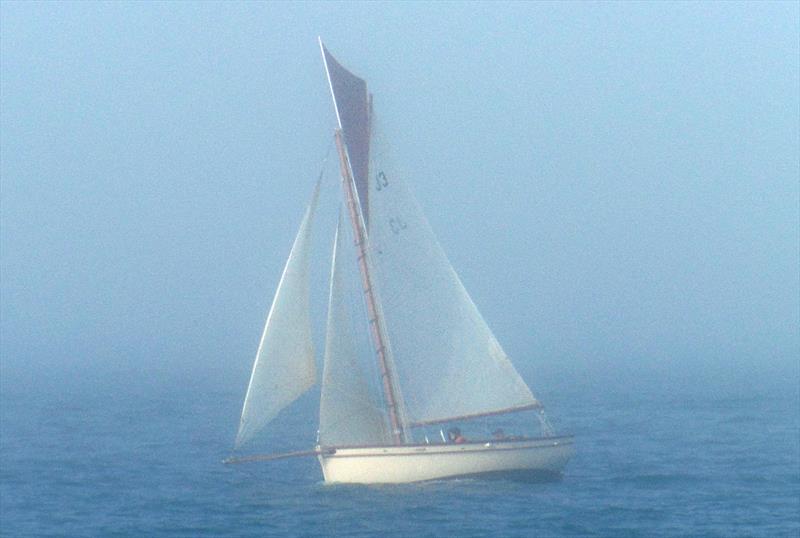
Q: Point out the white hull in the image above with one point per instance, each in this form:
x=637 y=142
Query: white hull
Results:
x=415 y=463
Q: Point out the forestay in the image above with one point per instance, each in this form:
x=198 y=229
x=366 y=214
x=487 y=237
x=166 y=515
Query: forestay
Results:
x=349 y=412
x=448 y=361
x=284 y=366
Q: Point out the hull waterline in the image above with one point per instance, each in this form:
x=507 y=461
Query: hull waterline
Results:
x=544 y=457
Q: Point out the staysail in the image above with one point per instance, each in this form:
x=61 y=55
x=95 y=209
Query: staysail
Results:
x=449 y=363
x=349 y=412
x=284 y=367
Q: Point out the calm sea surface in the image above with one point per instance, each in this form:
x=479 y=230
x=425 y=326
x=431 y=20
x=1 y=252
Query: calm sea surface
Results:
x=143 y=459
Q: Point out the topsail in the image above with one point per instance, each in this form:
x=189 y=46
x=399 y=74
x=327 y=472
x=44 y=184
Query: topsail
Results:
x=352 y=104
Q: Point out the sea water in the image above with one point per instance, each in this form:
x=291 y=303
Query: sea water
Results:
x=143 y=458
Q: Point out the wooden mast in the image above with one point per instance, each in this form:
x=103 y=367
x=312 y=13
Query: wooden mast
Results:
x=352 y=104
x=376 y=322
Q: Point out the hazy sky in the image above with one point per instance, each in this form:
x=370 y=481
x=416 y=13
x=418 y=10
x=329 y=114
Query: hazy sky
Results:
x=616 y=184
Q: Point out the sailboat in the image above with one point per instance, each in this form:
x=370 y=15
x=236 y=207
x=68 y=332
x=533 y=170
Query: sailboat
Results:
x=409 y=361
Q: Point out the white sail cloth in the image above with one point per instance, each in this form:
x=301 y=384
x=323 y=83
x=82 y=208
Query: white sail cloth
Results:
x=349 y=413
x=284 y=367
x=448 y=361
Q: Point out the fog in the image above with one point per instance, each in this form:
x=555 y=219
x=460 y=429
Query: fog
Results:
x=616 y=184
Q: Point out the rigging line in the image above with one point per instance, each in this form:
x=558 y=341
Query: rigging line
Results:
x=324 y=163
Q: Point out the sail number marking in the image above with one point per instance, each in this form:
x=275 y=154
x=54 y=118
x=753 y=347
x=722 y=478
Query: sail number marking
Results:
x=397 y=225
x=381 y=181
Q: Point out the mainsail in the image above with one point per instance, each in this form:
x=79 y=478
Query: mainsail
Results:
x=284 y=366
x=349 y=413
x=449 y=363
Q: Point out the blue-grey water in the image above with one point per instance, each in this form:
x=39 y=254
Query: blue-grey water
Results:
x=137 y=457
